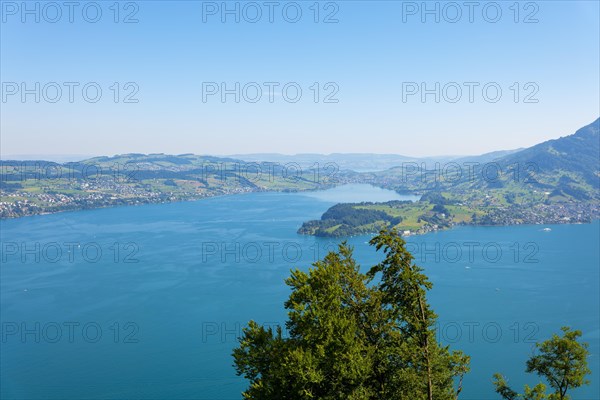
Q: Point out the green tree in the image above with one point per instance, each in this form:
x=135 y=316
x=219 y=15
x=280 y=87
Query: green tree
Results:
x=562 y=361
x=351 y=339
x=326 y=355
x=429 y=368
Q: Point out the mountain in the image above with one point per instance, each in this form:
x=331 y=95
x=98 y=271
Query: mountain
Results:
x=553 y=182
x=567 y=168
x=564 y=169
x=577 y=154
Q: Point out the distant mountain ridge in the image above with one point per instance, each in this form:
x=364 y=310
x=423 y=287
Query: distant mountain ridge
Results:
x=363 y=162
x=552 y=176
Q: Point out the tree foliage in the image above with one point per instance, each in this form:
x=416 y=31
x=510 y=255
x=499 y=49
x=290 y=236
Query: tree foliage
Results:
x=351 y=218
x=562 y=362
x=353 y=335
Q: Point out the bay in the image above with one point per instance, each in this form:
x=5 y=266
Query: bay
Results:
x=147 y=302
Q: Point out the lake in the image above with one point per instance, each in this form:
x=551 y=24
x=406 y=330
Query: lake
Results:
x=147 y=301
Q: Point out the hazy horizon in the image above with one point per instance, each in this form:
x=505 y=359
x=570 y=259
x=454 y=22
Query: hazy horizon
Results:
x=158 y=65
x=57 y=157
x=79 y=157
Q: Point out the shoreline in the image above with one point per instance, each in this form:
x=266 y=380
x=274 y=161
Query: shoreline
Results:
x=136 y=202
x=593 y=220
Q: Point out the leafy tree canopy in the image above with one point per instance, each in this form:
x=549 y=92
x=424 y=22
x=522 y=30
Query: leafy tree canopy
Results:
x=562 y=362
x=352 y=337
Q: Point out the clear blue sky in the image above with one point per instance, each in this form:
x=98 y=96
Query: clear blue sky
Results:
x=368 y=55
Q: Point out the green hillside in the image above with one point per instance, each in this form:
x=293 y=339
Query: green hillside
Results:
x=36 y=187
x=549 y=183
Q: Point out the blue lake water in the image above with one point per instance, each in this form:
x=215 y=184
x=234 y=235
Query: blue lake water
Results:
x=147 y=302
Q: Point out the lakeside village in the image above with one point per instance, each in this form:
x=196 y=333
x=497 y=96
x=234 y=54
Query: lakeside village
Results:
x=18 y=201
x=23 y=203
x=542 y=214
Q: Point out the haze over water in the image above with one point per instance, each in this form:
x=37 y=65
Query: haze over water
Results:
x=175 y=283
